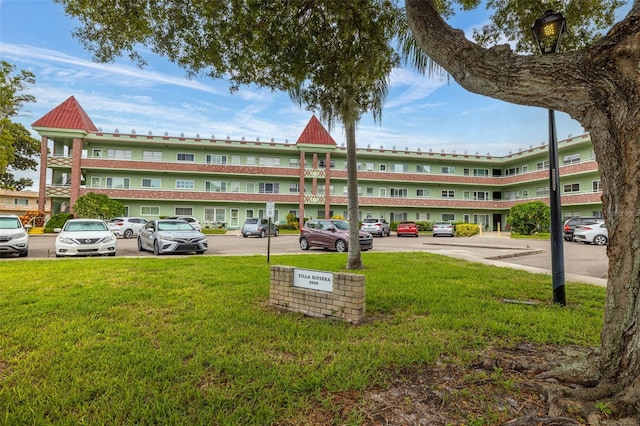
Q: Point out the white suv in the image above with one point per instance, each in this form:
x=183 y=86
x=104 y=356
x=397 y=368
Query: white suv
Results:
x=13 y=237
x=192 y=221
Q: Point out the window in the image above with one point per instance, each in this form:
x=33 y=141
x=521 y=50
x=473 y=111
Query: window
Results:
x=119 y=154
x=321 y=189
x=151 y=183
x=369 y=191
x=215 y=159
x=423 y=216
x=512 y=171
x=448 y=194
x=542 y=165
x=269 y=161
x=383 y=167
x=149 y=211
x=345 y=190
x=248 y=214
x=322 y=164
x=571 y=159
x=20 y=201
x=235 y=160
x=251 y=160
x=294 y=162
x=215 y=186
x=525 y=168
x=294 y=188
x=420 y=168
x=96 y=153
x=215 y=215
x=398 y=192
x=423 y=193
x=183 y=156
x=465 y=172
x=448 y=217
x=184 y=184
x=400 y=168
x=480 y=196
x=251 y=187
x=595 y=186
x=571 y=187
x=151 y=155
x=525 y=193
x=382 y=192
x=398 y=216
x=466 y=195
x=369 y=167
x=481 y=172
x=96 y=182
x=269 y=188
x=184 y=211
x=448 y=170
x=542 y=191
x=235 y=186
x=117 y=183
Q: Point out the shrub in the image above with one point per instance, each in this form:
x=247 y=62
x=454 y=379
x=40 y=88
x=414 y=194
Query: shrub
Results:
x=34 y=218
x=467 y=229
x=57 y=221
x=528 y=218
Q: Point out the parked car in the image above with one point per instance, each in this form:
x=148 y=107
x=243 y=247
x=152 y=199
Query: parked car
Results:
x=164 y=236
x=593 y=233
x=14 y=238
x=571 y=223
x=376 y=227
x=331 y=234
x=258 y=228
x=192 y=220
x=85 y=237
x=407 y=228
x=126 y=227
x=443 y=228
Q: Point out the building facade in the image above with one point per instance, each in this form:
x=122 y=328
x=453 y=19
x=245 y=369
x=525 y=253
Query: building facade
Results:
x=21 y=202
x=223 y=182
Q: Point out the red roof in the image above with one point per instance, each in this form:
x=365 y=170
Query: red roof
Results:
x=315 y=134
x=67 y=115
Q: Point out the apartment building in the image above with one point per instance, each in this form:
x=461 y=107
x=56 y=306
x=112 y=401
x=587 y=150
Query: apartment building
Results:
x=21 y=202
x=222 y=182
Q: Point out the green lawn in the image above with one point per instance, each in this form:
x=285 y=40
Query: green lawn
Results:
x=169 y=340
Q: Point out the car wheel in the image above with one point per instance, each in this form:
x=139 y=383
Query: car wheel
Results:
x=276 y=233
x=417 y=235
x=112 y=254
x=304 y=244
x=600 y=240
x=200 y=252
x=140 y=248
x=262 y=234
x=245 y=235
x=23 y=254
x=341 y=246
x=128 y=234
x=156 y=248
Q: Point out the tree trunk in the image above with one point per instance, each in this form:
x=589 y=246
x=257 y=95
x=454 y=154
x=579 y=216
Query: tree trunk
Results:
x=354 y=258
x=600 y=88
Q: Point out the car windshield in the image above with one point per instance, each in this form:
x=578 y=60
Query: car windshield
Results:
x=341 y=224
x=9 y=223
x=85 y=226
x=371 y=221
x=174 y=226
x=251 y=221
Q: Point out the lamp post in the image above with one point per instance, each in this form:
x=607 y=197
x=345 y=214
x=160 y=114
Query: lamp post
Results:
x=547 y=32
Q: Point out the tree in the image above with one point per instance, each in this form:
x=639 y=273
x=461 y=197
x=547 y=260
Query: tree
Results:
x=98 y=206
x=18 y=150
x=528 y=218
x=598 y=86
x=332 y=56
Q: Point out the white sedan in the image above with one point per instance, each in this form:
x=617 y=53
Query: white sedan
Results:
x=85 y=237
x=591 y=233
x=166 y=236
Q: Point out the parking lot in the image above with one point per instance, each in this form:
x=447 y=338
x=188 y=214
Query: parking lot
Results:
x=585 y=263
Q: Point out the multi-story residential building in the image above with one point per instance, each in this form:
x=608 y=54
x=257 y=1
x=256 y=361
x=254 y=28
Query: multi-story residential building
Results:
x=223 y=181
x=21 y=202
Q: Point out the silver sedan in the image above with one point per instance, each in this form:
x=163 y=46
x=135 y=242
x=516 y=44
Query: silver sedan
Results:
x=165 y=236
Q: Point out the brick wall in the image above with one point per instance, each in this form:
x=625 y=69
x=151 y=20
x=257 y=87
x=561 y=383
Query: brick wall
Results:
x=346 y=301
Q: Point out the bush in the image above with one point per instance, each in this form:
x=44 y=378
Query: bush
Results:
x=57 y=221
x=467 y=229
x=529 y=218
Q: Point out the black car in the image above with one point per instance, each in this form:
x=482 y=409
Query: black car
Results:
x=571 y=223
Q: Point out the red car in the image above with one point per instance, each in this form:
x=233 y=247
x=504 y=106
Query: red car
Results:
x=407 y=228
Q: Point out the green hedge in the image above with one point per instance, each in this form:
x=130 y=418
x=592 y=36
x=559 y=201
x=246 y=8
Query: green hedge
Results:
x=57 y=221
x=467 y=229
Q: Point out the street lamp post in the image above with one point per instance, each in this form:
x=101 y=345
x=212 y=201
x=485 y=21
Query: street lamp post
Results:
x=547 y=32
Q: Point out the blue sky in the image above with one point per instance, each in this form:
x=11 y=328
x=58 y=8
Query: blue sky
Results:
x=420 y=112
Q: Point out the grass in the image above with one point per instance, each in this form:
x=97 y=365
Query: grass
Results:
x=192 y=340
